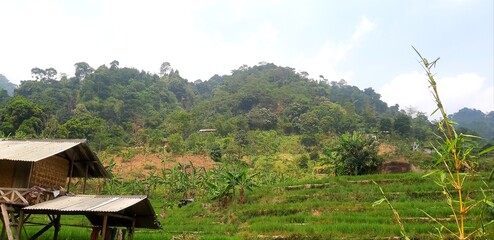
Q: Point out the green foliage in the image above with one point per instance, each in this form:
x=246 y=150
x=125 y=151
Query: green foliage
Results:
x=176 y=143
x=262 y=119
x=139 y=108
x=356 y=154
x=402 y=125
x=216 y=153
x=21 y=114
x=230 y=180
x=83 y=126
x=263 y=142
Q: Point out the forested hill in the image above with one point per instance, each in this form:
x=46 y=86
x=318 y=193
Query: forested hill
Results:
x=6 y=85
x=475 y=120
x=114 y=106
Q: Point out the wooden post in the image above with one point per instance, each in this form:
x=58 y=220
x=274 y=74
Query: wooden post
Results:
x=103 y=231
x=6 y=222
x=2 y=235
x=20 y=224
x=70 y=174
x=57 y=227
x=131 y=229
x=85 y=178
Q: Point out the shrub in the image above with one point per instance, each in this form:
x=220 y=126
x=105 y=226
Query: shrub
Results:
x=356 y=154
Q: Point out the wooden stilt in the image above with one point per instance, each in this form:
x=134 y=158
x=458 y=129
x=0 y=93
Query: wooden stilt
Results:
x=2 y=235
x=6 y=222
x=44 y=229
x=131 y=229
x=85 y=178
x=104 y=230
x=20 y=225
x=56 y=226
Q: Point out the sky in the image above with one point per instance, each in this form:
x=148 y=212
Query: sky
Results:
x=368 y=43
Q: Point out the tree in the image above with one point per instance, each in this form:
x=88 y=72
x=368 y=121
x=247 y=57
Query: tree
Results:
x=82 y=70
x=51 y=73
x=402 y=124
x=38 y=73
x=233 y=180
x=20 y=112
x=4 y=97
x=83 y=126
x=44 y=75
x=385 y=125
x=262 y=118
x=165 y=69
x=356 y=154
x=114 y=65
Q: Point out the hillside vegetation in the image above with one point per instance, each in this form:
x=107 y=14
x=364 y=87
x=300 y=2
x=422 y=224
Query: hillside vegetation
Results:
x=122 y=107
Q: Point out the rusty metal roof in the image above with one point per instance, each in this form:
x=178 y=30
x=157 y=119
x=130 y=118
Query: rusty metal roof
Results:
x=94 y=207
x=75 y=150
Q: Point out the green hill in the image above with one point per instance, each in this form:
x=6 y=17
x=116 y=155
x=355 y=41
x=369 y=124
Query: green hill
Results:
x=7 y=85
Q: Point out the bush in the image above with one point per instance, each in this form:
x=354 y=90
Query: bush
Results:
x=356 y=154
x=215 y=153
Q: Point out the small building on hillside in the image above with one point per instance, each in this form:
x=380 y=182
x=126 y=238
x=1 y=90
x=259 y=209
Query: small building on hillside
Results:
x=35 y=174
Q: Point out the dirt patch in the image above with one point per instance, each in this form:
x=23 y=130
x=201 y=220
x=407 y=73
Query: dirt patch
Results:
x=386 y=149
x=141 y=165
x=396 y=166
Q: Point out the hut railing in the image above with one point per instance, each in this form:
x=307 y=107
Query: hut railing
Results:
x=24 y=196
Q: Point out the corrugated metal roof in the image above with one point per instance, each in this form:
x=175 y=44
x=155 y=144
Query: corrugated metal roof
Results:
x=88 y=203
x=94 y=206
x=75 y=150
x=35 y=150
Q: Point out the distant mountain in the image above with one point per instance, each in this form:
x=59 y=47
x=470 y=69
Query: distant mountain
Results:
x=7 y=85
x=475 y=120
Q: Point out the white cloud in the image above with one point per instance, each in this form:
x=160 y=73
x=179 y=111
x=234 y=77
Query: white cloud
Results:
x=364 y=27
x=326 y=61
x=412 y=90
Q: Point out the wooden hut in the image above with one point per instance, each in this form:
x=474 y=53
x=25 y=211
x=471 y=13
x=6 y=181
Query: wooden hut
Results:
x=32 y=173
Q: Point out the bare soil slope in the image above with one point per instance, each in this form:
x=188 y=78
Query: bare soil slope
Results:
x=142 y=164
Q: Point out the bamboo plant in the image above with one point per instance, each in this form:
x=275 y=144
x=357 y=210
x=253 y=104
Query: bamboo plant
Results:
x=455 y=172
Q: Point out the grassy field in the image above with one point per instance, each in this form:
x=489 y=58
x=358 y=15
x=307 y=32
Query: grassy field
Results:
x=327 y=208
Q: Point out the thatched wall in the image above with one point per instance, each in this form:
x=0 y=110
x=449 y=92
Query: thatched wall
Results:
x=51 y=173
x=6 y=173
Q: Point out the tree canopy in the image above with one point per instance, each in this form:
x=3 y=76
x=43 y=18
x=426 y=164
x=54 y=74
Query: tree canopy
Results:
x=138 y=107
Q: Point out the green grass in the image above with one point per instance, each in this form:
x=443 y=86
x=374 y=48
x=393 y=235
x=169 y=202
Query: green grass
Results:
x=333 y=207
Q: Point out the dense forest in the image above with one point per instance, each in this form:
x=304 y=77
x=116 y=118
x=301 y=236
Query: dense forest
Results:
x=116 y=107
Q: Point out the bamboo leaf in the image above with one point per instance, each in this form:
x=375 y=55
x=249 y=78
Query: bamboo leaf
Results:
x=378 y=202
x=430 y=173
x=487 y=150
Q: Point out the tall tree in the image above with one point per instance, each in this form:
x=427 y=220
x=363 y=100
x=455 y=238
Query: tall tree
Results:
x=82 y=70
x=51 y=73
x=114 y=65
x=165 y=68
x=44 y=74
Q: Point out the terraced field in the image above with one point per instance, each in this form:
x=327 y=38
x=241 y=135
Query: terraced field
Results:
x=328 y=208
x=337 y=207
